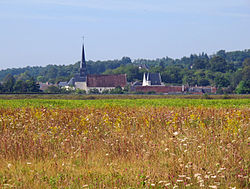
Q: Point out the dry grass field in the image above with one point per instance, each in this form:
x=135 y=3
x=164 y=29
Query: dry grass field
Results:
x=124 y=146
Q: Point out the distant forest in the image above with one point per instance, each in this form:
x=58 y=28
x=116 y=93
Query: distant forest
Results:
x=229 y=70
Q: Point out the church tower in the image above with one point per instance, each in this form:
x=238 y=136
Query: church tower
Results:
x=83 y=66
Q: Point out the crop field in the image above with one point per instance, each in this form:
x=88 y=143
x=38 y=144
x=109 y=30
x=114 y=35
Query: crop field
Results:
x=124 y=143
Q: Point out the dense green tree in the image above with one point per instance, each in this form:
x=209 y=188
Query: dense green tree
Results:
x=246 y=70
x=199 y=64
x=221 y=81
x=243 y=87
x=126 y=60
x=20 y=87
x=218 y=64
x=23 y=76
x=235 y=78
x=203 y=82
x=1 y=88
x=172 y=74
x=222 y=54
x=32 y=86
x=8 y=83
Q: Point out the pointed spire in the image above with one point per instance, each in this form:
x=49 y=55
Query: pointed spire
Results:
x=83 y=66
x=83 y=62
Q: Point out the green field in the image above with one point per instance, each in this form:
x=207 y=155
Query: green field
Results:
x=60 y=103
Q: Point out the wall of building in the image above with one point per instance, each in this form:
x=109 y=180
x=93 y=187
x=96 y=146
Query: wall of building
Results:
x=81 y=85
x=160 y=89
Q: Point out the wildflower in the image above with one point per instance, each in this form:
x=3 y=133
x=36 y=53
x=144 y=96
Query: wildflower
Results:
x=9 y=165
x=160 y=182
x=182 y=176
x=197 y=174
x=167 y=184
x=212 y=187
x=175 y=133
x=152 y=184
x=28 y=163
x=221 y=169
x=217 y=183
x=166 y=149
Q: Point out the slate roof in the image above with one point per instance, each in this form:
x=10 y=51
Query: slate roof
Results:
x=155 y=78
x=107 y=80
x=62 y=84
x=76 y=78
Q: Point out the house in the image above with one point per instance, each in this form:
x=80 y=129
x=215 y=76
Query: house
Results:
x=45 y=86
x=201 y=90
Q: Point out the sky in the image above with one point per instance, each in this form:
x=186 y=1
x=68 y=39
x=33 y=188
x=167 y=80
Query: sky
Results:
x=42 y=32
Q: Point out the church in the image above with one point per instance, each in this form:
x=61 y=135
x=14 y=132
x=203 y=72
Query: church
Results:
x=152 y=79
x=87 y=82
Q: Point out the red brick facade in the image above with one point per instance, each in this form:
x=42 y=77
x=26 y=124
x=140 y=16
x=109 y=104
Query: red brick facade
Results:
x=107 y=80
x=159 y=89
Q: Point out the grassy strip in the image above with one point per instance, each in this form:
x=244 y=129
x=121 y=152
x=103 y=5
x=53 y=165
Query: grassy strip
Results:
x=125 y=96
x=55 y=103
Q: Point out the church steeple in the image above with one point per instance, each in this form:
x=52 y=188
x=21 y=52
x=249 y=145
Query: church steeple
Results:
x=83 y=66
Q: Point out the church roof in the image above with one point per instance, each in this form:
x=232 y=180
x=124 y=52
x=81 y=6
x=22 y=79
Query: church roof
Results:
x=155 y=78
x=107 y=80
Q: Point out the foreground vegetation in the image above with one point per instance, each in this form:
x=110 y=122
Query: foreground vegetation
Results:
x=124 y=144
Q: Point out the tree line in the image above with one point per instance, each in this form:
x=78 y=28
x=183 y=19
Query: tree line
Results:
x=230 y=70
x=11 y=85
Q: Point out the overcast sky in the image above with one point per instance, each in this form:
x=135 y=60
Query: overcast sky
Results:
x=42 y=32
